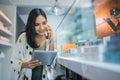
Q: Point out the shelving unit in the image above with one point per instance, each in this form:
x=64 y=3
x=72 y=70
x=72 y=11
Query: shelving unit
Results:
x=7 y=17
x=5 y=31
x=3 y=43
x=92 y=70
x=4 y=34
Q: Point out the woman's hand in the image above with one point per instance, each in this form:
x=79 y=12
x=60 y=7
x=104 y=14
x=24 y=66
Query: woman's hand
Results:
x=49 y=32
x=48 y=27
x=31 y=64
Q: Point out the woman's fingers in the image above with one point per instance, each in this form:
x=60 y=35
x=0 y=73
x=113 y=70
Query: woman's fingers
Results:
x=48 y=28
x=33 y=63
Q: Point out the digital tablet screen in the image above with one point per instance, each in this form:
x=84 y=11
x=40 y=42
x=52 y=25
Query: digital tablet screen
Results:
x=46 y=57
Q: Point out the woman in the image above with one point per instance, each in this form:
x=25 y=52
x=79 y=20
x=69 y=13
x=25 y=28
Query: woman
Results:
x=37 y=35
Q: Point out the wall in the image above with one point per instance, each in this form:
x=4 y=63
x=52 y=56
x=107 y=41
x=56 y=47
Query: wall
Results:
x=20 y=26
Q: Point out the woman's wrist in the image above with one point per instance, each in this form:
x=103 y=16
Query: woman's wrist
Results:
x=24 y=65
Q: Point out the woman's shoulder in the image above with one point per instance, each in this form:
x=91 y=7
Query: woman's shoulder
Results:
x=22 y=35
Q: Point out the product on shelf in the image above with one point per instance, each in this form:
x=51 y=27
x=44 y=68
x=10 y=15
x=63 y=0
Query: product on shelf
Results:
x=4 y=39
x=1 y=24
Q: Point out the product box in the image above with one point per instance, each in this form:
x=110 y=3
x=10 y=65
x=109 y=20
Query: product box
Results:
x=92 y=53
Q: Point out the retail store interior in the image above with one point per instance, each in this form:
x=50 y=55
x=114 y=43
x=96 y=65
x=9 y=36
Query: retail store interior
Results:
x=86 y=36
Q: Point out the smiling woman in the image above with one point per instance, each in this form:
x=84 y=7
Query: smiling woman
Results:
x=34 y=38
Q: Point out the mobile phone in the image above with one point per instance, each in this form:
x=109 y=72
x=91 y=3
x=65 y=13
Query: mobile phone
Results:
x=47 y=34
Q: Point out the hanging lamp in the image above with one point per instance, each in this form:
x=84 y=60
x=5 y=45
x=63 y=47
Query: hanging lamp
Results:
x=56 y=9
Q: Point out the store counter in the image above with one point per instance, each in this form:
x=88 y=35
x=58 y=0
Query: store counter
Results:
x=90 y=69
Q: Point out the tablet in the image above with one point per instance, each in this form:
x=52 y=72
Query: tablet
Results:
x=46 y=57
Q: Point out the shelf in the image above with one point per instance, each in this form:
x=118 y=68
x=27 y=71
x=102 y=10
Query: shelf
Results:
x=92 y=70
x=5 y=31
x=3 y=43
x=5 y=19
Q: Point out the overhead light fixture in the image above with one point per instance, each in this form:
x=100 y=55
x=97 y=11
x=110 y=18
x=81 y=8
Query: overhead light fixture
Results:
x=56 y=9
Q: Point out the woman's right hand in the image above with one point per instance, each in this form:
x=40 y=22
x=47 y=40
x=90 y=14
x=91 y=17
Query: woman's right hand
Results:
x=31 y=64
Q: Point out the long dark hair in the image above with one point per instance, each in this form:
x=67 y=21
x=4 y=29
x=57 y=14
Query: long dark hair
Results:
x=30 y=26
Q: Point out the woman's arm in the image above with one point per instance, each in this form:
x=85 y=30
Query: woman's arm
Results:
x=18 y=57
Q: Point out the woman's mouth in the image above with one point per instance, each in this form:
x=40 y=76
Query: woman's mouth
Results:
x=40 y=32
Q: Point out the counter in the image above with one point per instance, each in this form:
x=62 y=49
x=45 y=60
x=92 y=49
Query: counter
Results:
x=91 y=69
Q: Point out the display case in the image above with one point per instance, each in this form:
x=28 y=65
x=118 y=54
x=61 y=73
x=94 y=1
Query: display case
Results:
x=91 y=55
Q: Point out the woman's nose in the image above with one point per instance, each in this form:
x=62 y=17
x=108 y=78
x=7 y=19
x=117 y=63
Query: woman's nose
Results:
x=41 y=26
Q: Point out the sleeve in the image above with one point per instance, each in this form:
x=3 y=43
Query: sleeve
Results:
x=18 y=54
x=48 y=71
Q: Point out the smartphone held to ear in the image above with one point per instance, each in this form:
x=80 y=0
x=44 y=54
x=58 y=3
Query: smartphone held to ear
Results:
x=48 y=34
x=48 y=31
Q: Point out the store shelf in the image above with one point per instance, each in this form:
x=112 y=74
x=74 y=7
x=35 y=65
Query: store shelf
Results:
x=92 y=70
x=3 y=43
x=7 y=38
x=5 y=31
x=5 y=19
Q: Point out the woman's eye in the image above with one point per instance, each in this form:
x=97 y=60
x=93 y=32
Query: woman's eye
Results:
x=44 y=23
x=37 y=24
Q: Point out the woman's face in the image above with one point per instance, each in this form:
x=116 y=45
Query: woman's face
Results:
x=40 y=25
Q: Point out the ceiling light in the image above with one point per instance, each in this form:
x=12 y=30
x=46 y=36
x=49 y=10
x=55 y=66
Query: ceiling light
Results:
x=56 y=9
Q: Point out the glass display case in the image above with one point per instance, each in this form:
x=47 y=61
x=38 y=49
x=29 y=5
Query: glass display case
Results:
x=99 y=55
x=76 y=35
x=78 y=24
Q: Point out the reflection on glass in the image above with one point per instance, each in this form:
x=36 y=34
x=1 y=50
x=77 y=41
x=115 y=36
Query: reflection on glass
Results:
x=78 y=24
